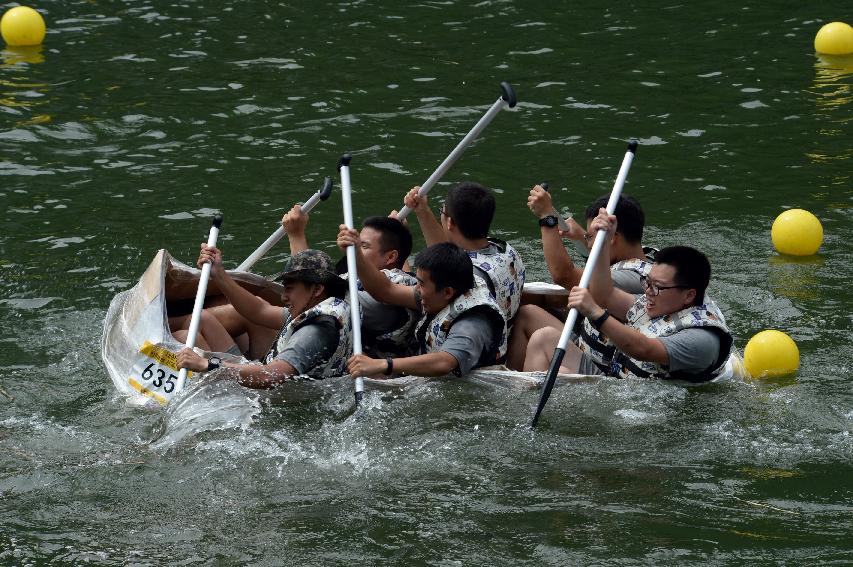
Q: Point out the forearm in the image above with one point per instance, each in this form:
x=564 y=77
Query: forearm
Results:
x=262 y=376
x=430 y=227
x=560 y=265
x=248 y=304
x=634 y=343
x=432 y=364
x=298 y=242
x=380 y=287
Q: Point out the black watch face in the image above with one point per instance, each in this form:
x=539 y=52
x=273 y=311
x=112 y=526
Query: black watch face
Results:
x=549 y=221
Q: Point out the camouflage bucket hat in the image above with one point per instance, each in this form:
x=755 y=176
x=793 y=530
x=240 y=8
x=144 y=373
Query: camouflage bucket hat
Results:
x=312 y=266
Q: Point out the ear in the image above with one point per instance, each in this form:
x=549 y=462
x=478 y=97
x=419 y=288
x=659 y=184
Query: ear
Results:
x=318 y=290
x=690 y=297
x=393 y=255
x=450 y=224
x=447 y=293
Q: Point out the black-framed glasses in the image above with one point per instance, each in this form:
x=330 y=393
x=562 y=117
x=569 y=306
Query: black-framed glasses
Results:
x=443 y=212
x=656 y=289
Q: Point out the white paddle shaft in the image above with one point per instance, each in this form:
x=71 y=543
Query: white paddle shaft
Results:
x=457 y=151
x=279 y=233
x=597 y=245
x=594 y=253
x=192 y=333
x=352 y=279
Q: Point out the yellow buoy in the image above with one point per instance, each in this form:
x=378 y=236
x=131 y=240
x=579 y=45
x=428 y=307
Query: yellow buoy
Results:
x=771 y=354
x=22 y=26
x=797 y=232
x=835 y=38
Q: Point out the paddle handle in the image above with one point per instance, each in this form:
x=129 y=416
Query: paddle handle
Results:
x=507 y=100
x=352 y=279
x=273 y=239
x=594 y=253
x=192 y=333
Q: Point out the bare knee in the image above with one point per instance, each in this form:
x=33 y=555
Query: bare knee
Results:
x=544 y=338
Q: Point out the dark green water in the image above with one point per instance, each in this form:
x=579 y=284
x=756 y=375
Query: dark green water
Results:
x=137 y=120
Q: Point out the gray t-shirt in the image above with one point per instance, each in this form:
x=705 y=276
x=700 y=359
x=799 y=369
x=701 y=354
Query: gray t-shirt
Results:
x=311 y=344
x=468 y=341
x=627 y=280
x=692 y=350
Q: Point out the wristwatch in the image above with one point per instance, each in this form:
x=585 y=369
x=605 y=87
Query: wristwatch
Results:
x=597 y=323
x=550 y=221
x=213 y=363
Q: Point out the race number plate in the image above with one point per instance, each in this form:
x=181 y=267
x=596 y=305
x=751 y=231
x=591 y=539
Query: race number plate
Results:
x=155 y=373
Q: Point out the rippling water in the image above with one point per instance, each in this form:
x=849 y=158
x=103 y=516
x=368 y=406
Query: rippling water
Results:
x=136 y=122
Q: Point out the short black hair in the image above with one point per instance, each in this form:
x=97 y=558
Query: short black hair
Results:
x=692 y=268
x=395 y=236
x=629 y=216
x=448 y=266
x=472 y=208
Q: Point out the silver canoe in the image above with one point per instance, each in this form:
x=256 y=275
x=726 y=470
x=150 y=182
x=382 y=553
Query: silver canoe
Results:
x=136 y=329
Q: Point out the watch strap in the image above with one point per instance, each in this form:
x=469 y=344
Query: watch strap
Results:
x=597 y=323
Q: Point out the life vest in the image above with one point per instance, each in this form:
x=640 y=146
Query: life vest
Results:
x=506 y=275
x=333 y=307
x=432 y=332
x=705 y=316
x=397 y=342
x=593 y=342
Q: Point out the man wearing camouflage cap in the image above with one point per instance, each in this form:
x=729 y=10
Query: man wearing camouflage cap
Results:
x=314 y=332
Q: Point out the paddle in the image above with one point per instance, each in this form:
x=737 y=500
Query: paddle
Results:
x=199 y=300
x=321 y=195
x=597 y=245
x=352 y=280
x=564 y=226
x=507 y=100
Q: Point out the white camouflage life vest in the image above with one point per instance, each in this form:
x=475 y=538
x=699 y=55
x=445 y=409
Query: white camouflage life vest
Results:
x=431 y=333
x=397 y=342
x=506 y=274
x=593 y=342
x=333 y=307
x=706 y=316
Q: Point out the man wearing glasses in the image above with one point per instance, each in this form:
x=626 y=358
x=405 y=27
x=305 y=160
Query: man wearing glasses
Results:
x=668 y=332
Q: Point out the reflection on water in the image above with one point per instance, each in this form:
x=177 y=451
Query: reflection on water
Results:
x=795 y=277
x=31 y=54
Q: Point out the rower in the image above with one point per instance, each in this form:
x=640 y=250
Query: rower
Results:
x=387 y=330
x=671 y=331
x=465 y=220
x=461 y=326
x=314 y=333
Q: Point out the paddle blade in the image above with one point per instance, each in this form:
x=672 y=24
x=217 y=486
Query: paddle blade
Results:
x=553 y=370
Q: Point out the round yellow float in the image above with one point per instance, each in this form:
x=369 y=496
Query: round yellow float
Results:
x=771 y=354
x=835 y=38
x=22 y=26
x=797 y=232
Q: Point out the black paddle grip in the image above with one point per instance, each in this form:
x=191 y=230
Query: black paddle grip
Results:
x=508 y=94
